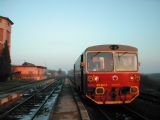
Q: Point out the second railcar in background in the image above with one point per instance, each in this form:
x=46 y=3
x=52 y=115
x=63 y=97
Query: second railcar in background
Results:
x=108 y=74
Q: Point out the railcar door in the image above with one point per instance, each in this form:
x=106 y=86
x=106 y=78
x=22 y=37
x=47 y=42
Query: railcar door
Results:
x=82 y=75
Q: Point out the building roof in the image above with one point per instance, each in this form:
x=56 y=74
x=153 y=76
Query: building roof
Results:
x=42 y=67
x=6 y=18
x=26 y=64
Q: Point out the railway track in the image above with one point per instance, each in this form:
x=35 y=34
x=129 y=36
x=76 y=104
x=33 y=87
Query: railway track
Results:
x=123 y=112
x=150 y=98
x=25 y=86
x=34 y=106
x=119 y=112
x=112 y=112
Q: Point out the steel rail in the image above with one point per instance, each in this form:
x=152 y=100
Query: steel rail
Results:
x=24 y=101
x=142 y=117
x=38 y=110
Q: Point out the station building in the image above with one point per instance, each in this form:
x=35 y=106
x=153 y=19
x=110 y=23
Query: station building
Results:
x=5 y=32
x=28 y=71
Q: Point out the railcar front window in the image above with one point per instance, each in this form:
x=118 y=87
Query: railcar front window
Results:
x=126 y=62
x=100 y=61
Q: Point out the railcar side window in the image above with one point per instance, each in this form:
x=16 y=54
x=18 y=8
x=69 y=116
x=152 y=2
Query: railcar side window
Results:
x=100 y=61
x=126 y=62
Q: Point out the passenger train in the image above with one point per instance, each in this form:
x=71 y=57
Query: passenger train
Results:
x=108 y=74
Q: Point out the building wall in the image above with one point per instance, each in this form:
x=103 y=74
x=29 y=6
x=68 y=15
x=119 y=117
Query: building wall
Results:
x=5 y=33
x=30 y=72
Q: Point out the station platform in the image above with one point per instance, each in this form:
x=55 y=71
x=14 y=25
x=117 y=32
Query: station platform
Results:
x=68 y=107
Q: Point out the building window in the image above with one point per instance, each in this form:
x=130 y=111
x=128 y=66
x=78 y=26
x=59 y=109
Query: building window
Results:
x=8 y=37
x=1 y=34
x=30 y=74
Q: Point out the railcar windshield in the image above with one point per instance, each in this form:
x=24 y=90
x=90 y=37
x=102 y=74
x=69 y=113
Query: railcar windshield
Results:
x=126 y=62
x=100 y=61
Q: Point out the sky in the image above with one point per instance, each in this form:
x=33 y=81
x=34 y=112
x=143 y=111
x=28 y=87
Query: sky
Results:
x=53 y=33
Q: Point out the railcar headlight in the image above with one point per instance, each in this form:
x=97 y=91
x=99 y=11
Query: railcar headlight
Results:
x=96 y=78
x=99 y=90
x=137 y=78
x=134 y=77
x=131 y=77
x=93 y=78
x=133 y=89
x=90 y=78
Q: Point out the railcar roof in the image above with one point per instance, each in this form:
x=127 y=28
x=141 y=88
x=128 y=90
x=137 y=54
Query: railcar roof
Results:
x=111 y=48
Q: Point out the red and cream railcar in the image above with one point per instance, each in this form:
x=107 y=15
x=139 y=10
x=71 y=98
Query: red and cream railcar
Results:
x=108 y=74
